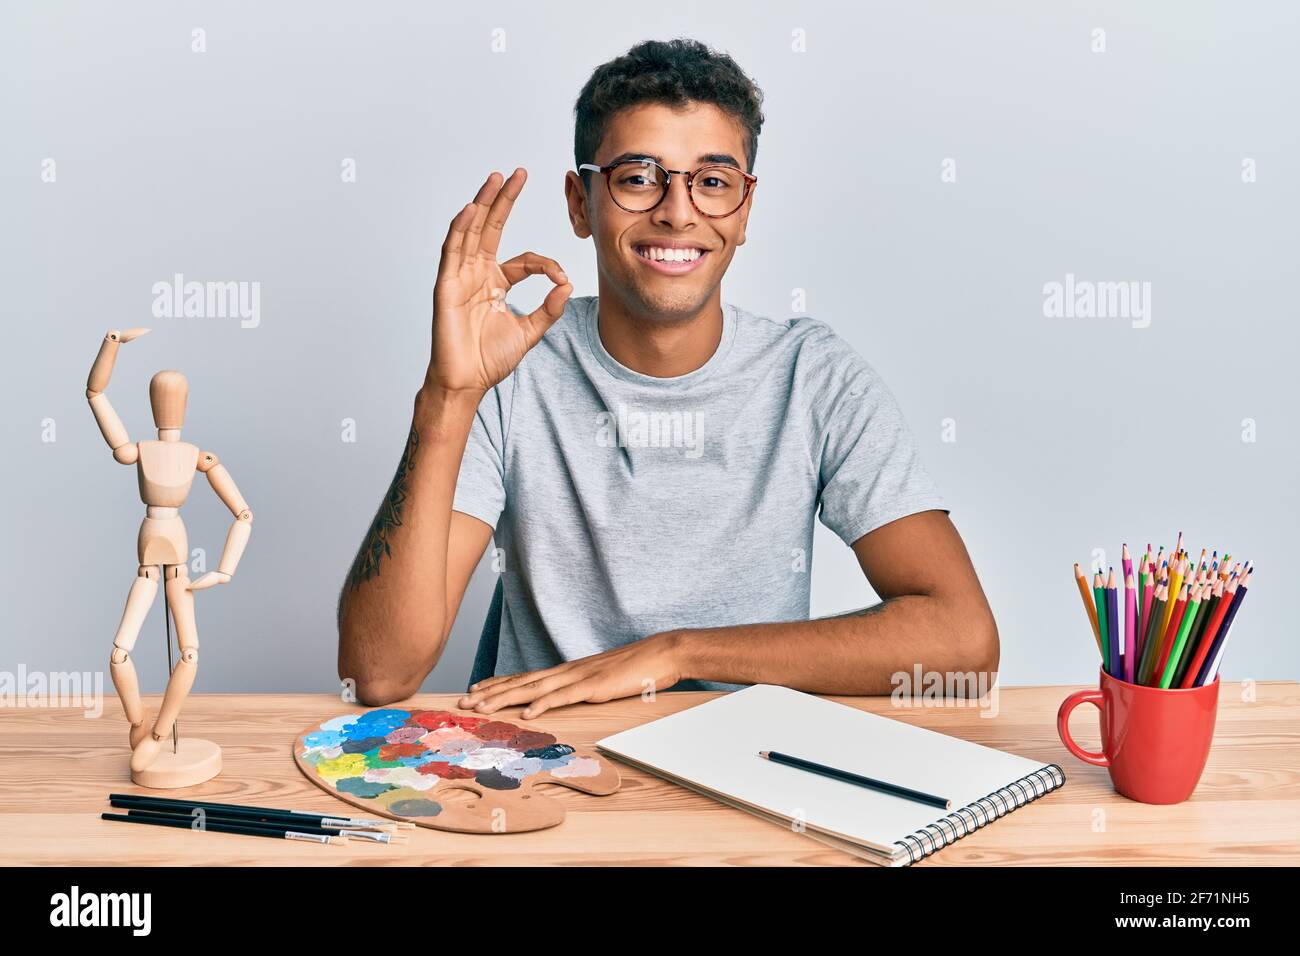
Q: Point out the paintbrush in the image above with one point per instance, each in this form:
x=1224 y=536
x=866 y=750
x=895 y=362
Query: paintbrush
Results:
x=176 y=813
x=288 y=816
x=222 y=826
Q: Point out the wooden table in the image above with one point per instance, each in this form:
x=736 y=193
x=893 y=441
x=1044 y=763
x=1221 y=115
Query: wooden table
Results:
x=58 y=768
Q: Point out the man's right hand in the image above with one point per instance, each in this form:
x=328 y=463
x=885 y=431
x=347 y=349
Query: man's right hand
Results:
x=477 y=340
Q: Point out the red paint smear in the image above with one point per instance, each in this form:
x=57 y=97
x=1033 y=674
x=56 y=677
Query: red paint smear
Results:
x=432 y=719
x=448 y=771
x=530 y=740
x=393 y=751
x=496 y=730
x=437 y=719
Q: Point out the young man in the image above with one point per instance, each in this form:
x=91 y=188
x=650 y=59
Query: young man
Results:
x=651 y=459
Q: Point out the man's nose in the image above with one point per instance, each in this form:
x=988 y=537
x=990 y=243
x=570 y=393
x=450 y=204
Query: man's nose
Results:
x=676 y=208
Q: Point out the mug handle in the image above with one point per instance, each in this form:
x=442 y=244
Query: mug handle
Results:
x=1093 y=697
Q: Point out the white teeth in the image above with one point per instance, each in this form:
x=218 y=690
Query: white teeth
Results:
x=669 y=255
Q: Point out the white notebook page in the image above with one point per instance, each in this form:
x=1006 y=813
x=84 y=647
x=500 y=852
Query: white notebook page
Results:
x=715 y=746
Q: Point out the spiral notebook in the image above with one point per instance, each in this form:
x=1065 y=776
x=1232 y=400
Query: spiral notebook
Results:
x=713 y=749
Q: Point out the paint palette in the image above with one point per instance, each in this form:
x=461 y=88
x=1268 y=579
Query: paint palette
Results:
x=401 y=763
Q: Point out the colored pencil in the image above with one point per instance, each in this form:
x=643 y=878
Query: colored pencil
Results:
x=1112 y=626
x=1144 y=581
x=1148 y=597
x=1088 y=606
x=1176 y=572
x=1211 y=669
x=1194 y=635
x=1170 y=634
x=1220 y=601
x=1130 y=625
x=1151 y=652
x=1175 y=654
x=1099 y=598
x=1149 y=641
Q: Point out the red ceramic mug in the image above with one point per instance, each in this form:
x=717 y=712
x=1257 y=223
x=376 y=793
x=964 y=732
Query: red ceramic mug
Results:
x=1154 y=742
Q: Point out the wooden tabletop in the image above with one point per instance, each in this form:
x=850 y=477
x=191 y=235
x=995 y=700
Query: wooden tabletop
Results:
x=59 y=767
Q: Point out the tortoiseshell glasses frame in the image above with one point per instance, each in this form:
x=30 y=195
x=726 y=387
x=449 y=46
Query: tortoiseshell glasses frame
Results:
x=668 y=174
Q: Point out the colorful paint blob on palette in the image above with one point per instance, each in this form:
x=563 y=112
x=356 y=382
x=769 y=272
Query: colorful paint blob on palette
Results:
x=398 y=757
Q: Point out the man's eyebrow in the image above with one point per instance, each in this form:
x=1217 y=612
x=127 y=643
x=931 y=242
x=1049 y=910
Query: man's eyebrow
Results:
x=702 y=159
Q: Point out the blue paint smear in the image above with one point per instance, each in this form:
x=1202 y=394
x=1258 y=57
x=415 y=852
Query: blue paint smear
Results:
x=376 y=723
x=364 y=745
x=384 y=714
x=338 y=723
x=324 y=738
x=437 y=756
x=522 y=767
x=549 y=753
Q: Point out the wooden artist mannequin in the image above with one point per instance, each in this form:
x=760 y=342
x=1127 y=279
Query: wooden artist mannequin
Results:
x=166 y=469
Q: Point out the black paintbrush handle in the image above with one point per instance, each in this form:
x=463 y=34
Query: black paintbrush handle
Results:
x=221 y=826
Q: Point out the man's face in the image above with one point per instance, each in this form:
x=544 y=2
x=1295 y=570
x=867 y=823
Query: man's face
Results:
x=685 y=139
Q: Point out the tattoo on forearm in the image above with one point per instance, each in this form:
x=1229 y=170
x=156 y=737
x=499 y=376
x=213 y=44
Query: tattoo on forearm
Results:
x=376 y=546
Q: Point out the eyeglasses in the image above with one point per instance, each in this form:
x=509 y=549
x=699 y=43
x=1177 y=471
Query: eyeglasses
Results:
x=639 y=185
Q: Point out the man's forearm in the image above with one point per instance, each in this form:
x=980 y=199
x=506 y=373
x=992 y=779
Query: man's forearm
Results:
x=853 y=654
x=393 y=609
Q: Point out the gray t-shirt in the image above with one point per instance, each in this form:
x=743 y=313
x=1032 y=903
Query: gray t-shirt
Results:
x=624 y=505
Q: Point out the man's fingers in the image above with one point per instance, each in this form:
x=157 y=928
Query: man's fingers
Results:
x=489 y=685
x=545 y=315
x=500 y=212
x=548 y=313
x=494 y=685
x=527 y=264
x=487 y=682
x=573 y=694
x=495 y=699
x=454 y=244
x=482 y=204
x=531 y=691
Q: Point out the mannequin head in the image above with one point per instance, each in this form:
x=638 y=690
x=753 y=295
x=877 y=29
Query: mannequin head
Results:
x=168 y=391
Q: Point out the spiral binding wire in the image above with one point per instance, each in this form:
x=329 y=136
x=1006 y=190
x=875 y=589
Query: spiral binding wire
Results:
x=997 y=804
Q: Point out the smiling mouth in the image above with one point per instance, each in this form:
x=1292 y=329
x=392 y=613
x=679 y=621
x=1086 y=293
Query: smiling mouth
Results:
x=671 y=261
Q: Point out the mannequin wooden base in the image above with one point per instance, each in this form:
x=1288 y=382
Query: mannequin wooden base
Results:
x=194 y=761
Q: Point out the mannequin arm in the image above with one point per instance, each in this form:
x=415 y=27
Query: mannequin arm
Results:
x=240 y=528
x=110 y=425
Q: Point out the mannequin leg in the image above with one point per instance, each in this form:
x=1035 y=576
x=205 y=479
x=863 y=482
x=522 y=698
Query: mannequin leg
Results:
x=181 y=601
x=138 y=602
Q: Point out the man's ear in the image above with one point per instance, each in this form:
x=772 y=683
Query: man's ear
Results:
x=575 y=196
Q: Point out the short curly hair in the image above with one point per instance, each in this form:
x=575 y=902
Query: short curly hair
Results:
x=674 y=73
